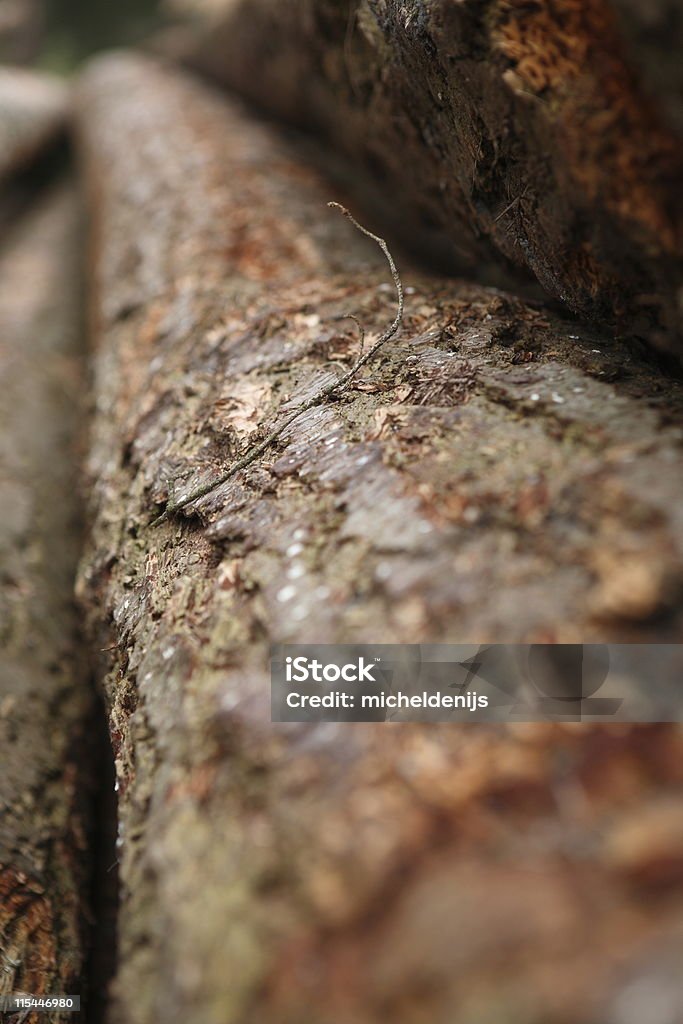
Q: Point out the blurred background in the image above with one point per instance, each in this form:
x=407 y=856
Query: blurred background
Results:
x=59 y=34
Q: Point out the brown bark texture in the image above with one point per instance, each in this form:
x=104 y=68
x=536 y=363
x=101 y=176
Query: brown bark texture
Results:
x=45 y=702
x=32 y=111
x=496 y=131
x=490 y=476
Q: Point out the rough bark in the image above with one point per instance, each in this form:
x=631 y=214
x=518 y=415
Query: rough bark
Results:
x=32 y=112
x=500 y=131
x=490 y=477
x=45 y=702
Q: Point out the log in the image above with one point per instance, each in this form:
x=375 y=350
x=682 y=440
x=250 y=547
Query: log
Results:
x=46 y=703
x=508 y=132
x=33 y=108
x=490 y=476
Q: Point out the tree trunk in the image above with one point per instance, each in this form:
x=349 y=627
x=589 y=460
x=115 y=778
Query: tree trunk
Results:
x=45 y=702
x=500 y=131
x=489 y=476
x=32 y=111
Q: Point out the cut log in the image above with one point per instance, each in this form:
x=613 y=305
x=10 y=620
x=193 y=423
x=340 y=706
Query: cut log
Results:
x=489 y=476
x=45 y=700
x=32 y=112
x=508 y=131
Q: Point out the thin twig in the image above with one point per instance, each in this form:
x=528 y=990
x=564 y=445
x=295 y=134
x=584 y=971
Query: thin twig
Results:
x=361 y=329
x=509 y=206
x=334 y=387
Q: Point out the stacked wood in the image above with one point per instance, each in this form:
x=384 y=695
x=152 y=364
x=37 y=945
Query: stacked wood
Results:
x=45 y=702
x=509 y=132
x=32 y=112
x=495 y=474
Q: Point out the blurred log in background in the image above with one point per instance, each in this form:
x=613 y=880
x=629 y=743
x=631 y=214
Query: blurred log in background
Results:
x=33 y=110
x=22 y=26
x=46 y=703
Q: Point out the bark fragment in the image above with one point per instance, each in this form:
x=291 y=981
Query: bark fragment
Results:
x=498 y=131
x=486 y=479
x=45 y=702
x=32 y=112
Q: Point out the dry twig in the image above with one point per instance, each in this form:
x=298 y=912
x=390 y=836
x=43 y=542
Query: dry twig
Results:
x=336 y=387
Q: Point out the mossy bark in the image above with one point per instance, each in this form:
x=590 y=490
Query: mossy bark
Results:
x=491 y=476
x=45 y=700
x=492 y=132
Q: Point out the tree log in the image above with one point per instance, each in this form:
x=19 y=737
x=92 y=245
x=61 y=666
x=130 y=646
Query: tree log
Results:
x=500 y=131
x=32 y=111
x=45 y=701
x=490 y=476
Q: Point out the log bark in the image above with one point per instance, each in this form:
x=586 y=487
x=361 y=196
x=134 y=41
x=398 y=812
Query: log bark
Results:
x=499 y=131
x=490 y=476
x=45 y=700
x=32 y=111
